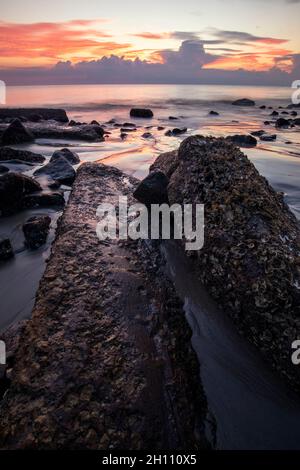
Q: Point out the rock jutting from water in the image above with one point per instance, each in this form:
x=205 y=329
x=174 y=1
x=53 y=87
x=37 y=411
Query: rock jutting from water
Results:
x=141 y=113
x=244 y=102
x=30 y=114
x=250 y=260
x=104 y=362
x=14 y=187
x=7 y=154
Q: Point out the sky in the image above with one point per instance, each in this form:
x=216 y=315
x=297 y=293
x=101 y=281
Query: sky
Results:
x=191 y=41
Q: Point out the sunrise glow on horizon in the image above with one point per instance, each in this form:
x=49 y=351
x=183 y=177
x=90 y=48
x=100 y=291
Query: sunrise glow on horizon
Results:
x=226 y=36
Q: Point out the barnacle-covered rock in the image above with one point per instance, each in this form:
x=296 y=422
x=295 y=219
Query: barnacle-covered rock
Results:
x=250 y=260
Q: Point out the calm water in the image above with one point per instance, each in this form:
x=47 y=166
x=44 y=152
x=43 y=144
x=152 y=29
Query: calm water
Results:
x=252 y=408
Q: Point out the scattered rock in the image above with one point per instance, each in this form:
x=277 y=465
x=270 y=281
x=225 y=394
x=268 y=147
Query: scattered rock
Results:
x=36 y=231
x=153 y=189
x=16 y=133
x=176 y=131
x=173 y=118
x=244 y=102
x=262 y=106
x=242 y=140
x=13 y=189
x=274 y=113
x=3 y=169
x=59 y=170
x=297 y=121
x=129 y=124
x=294 y=113
x=214 y=113
x=66 y=153
x=7 y=153
x=282 y=122
x=258 y=133
x=123 y=135
x=147 y=135
x=94 y=123
x=141 y=113
x=6 y=251
x=268 y=137
x=267 y=123
x=160 y=128
x=86 y=132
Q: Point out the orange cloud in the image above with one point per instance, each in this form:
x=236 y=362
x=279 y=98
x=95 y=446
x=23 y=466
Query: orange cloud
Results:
x=47 y=43
x=152 y=35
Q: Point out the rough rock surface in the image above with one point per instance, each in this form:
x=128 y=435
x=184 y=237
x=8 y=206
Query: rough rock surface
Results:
x=7 y=153
x=250 y=260
x=36 y=230
x=59 y=170
x=243 y=140
x=45 y=113
x=14 y=187
x=105 y=362
x=86 y=132
x=16 y=133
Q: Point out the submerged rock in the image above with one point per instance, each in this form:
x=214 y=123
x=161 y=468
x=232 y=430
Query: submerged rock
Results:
x=243 y=140
x=250 y=259
x=13 y=189
x=44 y=199
x=3 y=169
x=16 y=133
x=268 y=137
x=6 y=251
x=141 y=113
x=244 y=102
x=7 y=153
x=153 y=189
x=59 y=170
x=72 y=157
x=36 y=231
x=258 y=133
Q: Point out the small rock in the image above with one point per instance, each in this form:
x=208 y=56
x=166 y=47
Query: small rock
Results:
x=36 y=230
x=258 y=133
x=14 y=187
x=173 y=118
x=268 y=137
x=16 y=133
x=147 y=135
x=59 y=170
x=153 y=189
x=141 y=113
x=244 y=102
x=6 y=251
x=214 y=113
x=282 y=122
x=3 y=169
x=72 y=157
x=8 y=153
x=243 y=140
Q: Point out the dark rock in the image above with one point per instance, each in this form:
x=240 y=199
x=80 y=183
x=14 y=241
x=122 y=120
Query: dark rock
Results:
x=73 y=123
x=267 y=123
x=59 y=170
x=129 y=124
x=173 y=118
x=141 y=113
x=35 y=117
x=214 y=113
x=6 y=251
x=13 y=189
x=123 y=135
x=7 y=154
x=147 y=135
x=36 y=230
x=3 y=169
x=282 y=122
x=262 y=106
x=128 y=129
x=296 y=122
x=249 y=262
x=94 y=123
x=72 y=157
x=44 y=199
x=268 y=137
x=176 y=131
x=244 y=102
x=160 y=128
x=45 y=113
x=294 y=113
x=153 y=189
x=284 y=112
x=274 y=113
x=258 y=133
x=16 y=133
x=81 y=132
x=242 y=140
